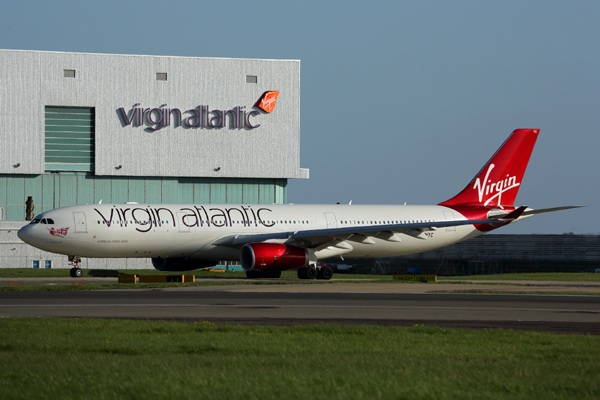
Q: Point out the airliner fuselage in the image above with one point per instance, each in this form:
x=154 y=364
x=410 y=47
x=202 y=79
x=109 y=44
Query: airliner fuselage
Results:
x=208 y=231
x=268 y=239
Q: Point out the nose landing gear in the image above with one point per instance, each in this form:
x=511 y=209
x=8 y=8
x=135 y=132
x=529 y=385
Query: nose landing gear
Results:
x=76 y=271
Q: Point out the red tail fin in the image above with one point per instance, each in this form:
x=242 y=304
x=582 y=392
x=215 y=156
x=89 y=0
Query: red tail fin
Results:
x=498 y=182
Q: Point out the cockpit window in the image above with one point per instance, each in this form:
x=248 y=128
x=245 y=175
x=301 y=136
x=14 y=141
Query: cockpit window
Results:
x=44 y=221
x=35 y=221
x=50 y=221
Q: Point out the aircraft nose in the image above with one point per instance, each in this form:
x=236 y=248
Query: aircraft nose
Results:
x=22 y=234
x=25 y=234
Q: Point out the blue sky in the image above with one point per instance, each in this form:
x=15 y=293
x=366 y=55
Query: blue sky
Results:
x=401 y=101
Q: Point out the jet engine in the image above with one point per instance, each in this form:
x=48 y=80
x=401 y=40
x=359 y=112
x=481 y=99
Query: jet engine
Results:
x=272 y=256
x=181 y=264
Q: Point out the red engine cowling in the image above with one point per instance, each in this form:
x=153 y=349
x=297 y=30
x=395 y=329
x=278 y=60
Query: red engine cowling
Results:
x=272 y=256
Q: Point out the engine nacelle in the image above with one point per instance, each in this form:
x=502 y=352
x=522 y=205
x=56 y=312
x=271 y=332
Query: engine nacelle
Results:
x=180 y=264
x=272 y=256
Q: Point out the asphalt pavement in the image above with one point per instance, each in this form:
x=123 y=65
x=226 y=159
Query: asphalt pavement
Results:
x=235 y=304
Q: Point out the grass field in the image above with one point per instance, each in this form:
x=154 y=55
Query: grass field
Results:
x=107 y=359
x=104 y=273
x=287 y=278
x=64 y=273
x=215 y=279
x=100 y=273
x=549 y=276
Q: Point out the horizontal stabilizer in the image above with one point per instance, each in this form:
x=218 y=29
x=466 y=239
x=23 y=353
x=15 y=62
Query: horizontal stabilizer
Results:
x=545 y=210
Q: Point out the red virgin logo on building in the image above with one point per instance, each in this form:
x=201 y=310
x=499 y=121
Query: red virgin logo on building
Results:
x=267 y=101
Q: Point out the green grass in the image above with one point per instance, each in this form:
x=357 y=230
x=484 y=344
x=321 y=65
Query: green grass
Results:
x=549 y=276
x=64 y=273
x=110 y=273
x=100 y=273
x=106 y=359
x=287 y=278
x=550 y=293
x=214 y=282
x=106 y=286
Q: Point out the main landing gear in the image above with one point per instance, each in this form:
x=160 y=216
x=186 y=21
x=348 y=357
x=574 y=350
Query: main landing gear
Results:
x=76 y=271
x=312 y=272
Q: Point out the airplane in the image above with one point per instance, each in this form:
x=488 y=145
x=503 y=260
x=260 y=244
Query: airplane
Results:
x=268 y=239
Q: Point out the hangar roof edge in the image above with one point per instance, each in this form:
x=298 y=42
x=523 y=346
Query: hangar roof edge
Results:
x=149 y=55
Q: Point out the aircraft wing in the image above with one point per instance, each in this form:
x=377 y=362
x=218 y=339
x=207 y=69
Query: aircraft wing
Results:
x=367 y=230
x=320 y=236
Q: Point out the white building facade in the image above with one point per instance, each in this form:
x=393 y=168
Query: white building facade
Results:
x=80 y=128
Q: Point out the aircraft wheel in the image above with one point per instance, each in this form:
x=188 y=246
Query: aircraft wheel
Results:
x=76 y=272
x=311 y=273
x=301 y=273
x=326 y=273
x=251 y=274
x=275 y=274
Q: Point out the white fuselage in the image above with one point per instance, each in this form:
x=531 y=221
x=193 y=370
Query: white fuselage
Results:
x=206 y=231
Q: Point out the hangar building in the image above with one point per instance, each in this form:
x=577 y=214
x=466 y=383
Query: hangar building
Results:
x=83 y=128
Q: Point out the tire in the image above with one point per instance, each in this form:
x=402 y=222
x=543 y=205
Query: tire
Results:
x=274 y=274
x=72 y=272
x=77 y=272
x=326 y=273
x=251 y=274
x=302 y=273
x=311 y=273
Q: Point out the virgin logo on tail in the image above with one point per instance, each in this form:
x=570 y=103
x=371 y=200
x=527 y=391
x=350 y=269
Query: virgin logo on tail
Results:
x=267 y=101
x=487 y=187
x=498 y=182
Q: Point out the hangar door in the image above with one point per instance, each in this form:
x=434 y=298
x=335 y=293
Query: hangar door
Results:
x=69 y=138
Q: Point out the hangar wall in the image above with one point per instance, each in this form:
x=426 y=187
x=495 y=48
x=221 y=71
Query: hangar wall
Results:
x=119 y=88
x=79 y=128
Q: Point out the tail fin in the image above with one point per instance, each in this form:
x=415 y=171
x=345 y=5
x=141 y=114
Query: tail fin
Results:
x=498 y=182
